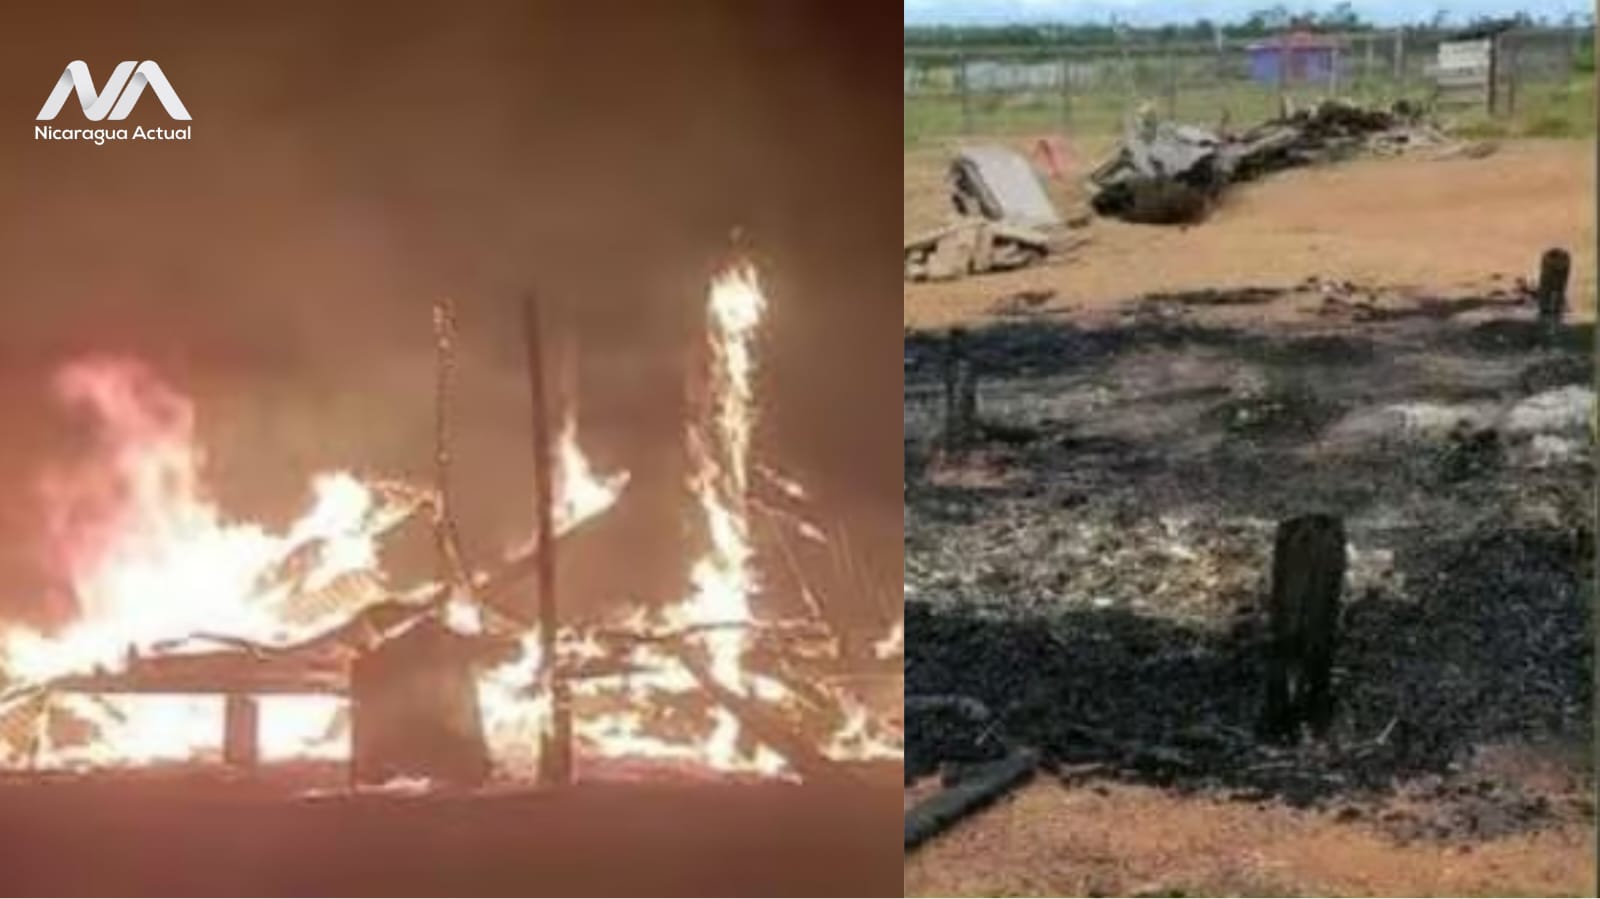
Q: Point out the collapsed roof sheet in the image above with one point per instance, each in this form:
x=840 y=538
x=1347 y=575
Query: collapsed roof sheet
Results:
x=1003 y=186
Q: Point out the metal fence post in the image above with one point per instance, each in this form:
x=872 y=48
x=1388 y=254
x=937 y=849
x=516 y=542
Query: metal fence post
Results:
x=1400 y=61
x=1370 y=65
x=966 y=94
x=1066 y=92
x=1172 y=83
x=1512 y=75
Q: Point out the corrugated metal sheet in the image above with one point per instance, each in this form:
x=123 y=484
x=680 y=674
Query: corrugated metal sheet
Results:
x=1008 y=187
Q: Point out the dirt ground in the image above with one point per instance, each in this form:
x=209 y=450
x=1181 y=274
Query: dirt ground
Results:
x=1446 y=227
x=196 y=833
x=1048 y=840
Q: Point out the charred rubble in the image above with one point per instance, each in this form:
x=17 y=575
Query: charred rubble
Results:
x=1098 y=596
x=1166 y=173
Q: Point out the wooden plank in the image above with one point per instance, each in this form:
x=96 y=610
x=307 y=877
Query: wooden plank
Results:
x=218 y=677
x=1475 y=78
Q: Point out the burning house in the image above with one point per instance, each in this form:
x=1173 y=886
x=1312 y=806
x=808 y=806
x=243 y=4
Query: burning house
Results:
x=203 y=640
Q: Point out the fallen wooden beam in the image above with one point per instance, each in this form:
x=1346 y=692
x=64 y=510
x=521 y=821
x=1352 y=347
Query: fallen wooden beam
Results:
x=209 y=673
x=804 y=758
x=983 y=786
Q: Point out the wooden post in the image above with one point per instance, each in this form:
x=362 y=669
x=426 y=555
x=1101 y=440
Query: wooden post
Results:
x=1333 y=71
x=450 y=557
x=555 y=756
x=1494 y=74
x=1554 y=268
x=966 y=399
x=1511 y=77
x=241 y=728
x=954 y=362
x=1308 y=567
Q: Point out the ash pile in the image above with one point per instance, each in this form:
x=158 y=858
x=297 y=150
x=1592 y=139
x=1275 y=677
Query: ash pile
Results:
x=1098 y=595
x=1167 y=173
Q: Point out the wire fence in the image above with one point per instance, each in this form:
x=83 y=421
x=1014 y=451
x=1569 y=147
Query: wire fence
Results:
x=953 y=91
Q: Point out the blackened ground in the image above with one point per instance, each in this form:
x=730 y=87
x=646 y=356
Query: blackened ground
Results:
x=1092 y=571
x=184 y=835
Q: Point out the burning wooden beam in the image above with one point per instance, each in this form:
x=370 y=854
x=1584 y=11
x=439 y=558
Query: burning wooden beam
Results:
x=804 y=758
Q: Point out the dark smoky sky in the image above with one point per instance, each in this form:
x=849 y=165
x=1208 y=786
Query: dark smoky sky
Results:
x=349 y=167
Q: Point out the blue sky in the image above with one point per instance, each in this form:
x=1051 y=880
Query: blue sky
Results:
x=1155 y=12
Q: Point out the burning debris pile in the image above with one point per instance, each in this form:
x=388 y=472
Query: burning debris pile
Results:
x=1165 y=173
x=1100 y=600
x=195 y=632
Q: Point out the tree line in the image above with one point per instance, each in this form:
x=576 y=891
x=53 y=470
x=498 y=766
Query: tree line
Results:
x=1340 y=19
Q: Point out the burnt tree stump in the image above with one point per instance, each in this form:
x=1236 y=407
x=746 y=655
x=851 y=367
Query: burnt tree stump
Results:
x=1555 y=266
x=414 y=710
x=1308 y=568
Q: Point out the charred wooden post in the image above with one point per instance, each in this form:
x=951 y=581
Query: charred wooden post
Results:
x=414 y=709
x=241 y=728
x=967 y=400
x=960 y=392
x=1554 y=268
x=1308 y=566
x=453 y=568
x=555 y=755
x=952 y=357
